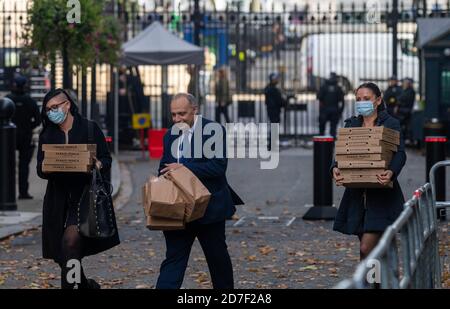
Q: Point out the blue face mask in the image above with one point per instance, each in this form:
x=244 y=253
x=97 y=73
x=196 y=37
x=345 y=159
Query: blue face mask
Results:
x=364 y=108
x=57 y=116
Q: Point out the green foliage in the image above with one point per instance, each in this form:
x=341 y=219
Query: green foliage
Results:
x=96 y=37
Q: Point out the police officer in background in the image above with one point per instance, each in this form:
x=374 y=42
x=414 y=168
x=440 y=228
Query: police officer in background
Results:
x=391 y=95
x=26 y=118
x=274 y=101
x=405 y=106
x=331 y=99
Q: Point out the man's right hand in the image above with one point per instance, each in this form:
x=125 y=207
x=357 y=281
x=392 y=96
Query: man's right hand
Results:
x=337 y=176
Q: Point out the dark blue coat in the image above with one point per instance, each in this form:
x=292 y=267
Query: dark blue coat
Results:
x=382 y=206
x=210 y=171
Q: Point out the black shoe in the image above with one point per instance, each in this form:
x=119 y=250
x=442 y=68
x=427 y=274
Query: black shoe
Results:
x=25 y=197
x=90 y=284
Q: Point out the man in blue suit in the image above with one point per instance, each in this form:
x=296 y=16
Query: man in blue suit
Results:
x=187 y=149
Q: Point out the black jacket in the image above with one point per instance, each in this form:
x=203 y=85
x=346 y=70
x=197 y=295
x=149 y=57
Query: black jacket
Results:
x=26 y=116
x=273 y=98
x=381 y=206
x=391 y=96
x=331 y=96
x=406 y=104
x=63 y=189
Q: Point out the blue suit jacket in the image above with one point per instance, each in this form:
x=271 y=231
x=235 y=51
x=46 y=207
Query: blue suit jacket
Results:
x=210 y=171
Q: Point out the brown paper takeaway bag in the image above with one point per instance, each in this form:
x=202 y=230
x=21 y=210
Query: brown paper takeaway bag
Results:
x=167 y=200
x=173 y=199
x=194 y=189
x=158 y=223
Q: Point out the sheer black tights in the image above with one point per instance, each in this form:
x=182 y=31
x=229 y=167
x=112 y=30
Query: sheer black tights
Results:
x=71 y=249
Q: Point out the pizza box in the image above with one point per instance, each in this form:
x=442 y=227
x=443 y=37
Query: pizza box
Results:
x=365 y=143
x=76 y=168
x=385 y=156
x=363 y=164
x=69 y=147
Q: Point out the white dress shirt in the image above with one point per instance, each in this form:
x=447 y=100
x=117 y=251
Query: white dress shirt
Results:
x=189 y=133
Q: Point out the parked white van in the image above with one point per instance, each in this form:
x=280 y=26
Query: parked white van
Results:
x=356 y=58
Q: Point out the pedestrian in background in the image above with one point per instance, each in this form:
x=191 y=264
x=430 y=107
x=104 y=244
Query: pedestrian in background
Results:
x=331 y=100
x=274 y=102
x=368 y=212
x=391 y=95
x=194 y=87
x=223 y=95
x=61 y=239
x=26 y=118
x=405 y=107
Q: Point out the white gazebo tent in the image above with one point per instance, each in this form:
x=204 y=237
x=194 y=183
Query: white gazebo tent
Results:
x=155 y=45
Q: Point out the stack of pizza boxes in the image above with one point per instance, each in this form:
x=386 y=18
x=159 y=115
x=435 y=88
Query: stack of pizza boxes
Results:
x=363 y=153
x=68 y=157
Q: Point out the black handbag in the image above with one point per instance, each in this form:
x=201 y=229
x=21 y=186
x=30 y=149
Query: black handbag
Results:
x=96 y=217
x=96 y=213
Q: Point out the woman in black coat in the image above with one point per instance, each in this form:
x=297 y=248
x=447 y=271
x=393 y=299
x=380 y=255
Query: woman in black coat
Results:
x=61 y=240
x=368 y=212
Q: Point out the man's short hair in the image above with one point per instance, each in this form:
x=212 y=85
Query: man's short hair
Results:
x=20 y=81
x=274 y=76
x=189 y=97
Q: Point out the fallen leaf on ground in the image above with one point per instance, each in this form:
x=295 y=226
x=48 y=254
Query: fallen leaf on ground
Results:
x=266 y=250
x=309 y=267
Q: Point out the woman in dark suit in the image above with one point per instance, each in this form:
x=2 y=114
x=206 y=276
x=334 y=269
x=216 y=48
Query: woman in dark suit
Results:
x=61 y=240
x=368 y=212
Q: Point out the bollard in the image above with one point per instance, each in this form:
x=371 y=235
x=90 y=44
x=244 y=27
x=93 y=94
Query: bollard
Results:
x=7 y=156
x=432 y=127
x=109 y=140
x=323 y=184
x=435 y=152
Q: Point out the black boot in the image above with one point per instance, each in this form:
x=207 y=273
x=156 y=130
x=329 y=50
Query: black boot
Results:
x=89 y=284
x=65 y=285
x=84 y=284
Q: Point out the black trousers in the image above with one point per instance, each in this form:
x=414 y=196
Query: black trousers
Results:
x=26 y=150
x=331 y=115
x=179 y=244
x=274 y=117
x=405 y=124
x=222 y=110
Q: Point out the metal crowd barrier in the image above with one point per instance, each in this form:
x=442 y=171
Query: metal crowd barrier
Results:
x=440 y=205
x=407 y=255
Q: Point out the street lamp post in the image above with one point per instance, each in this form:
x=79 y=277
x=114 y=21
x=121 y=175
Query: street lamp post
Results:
x=116 y=96
x=197 y=22
x=394 y=17
x=197 y=26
